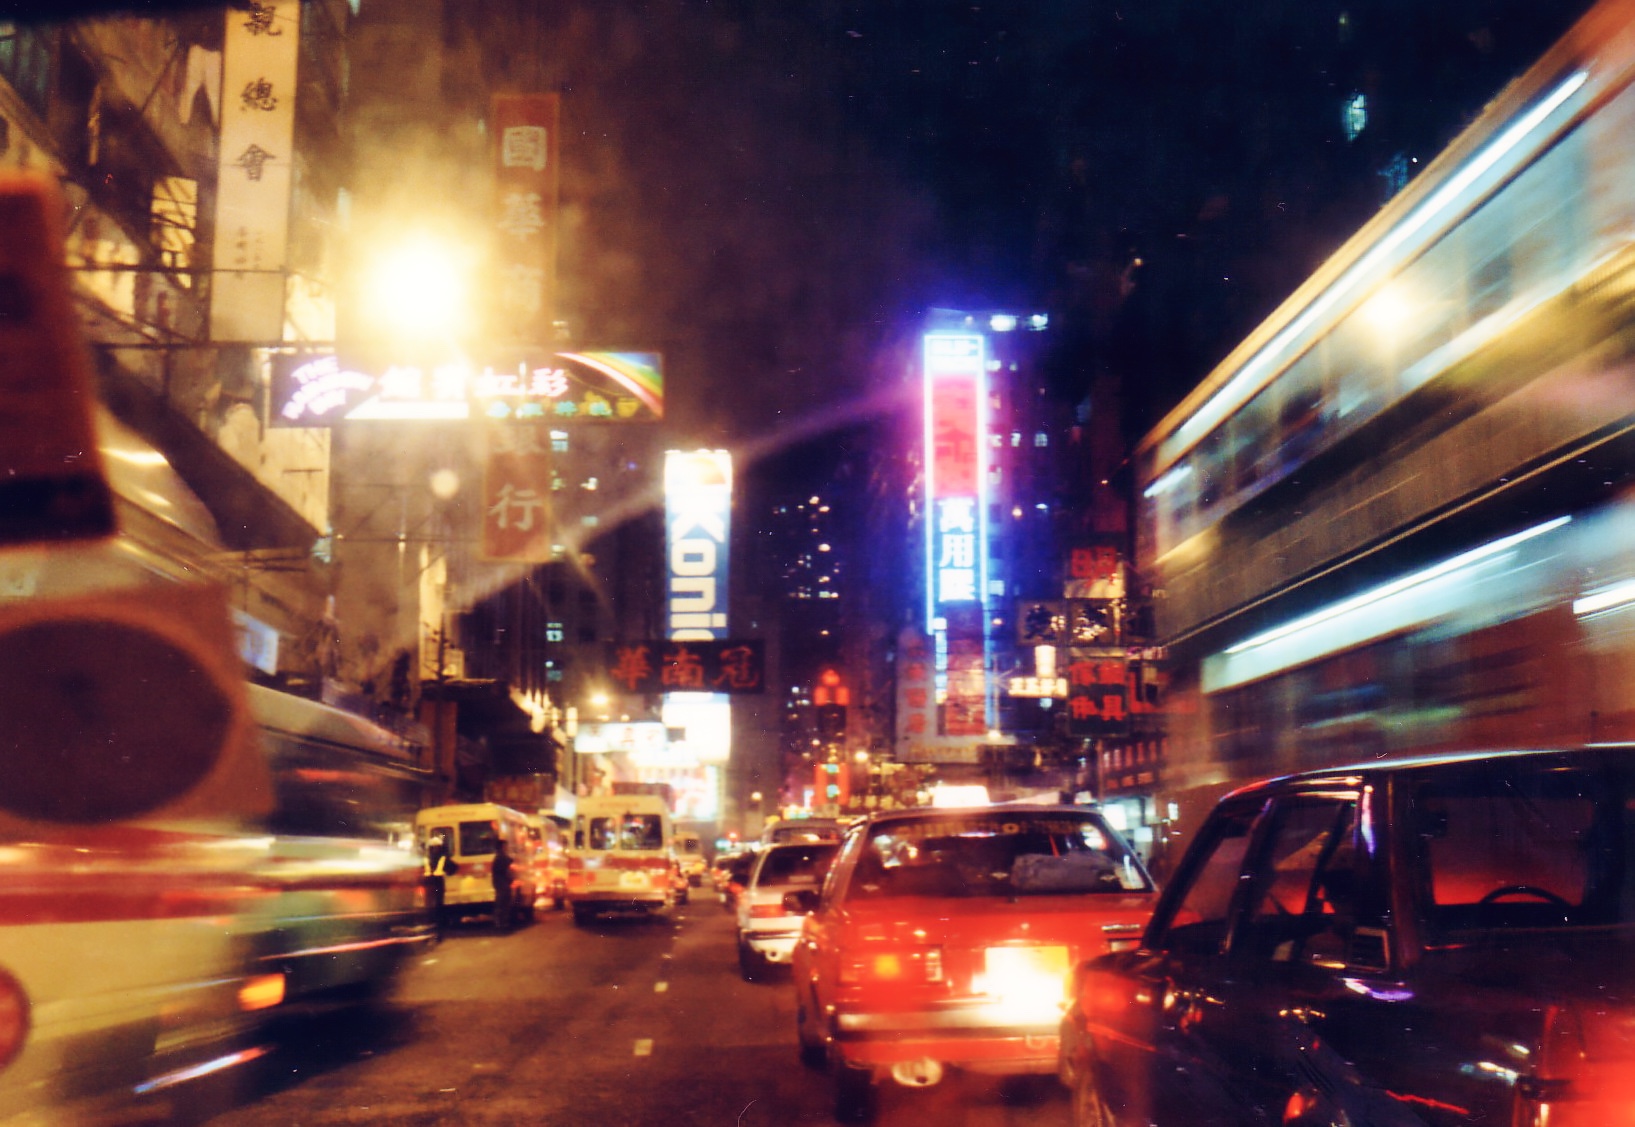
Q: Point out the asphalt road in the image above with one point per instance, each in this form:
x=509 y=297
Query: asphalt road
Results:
x=629 y=1022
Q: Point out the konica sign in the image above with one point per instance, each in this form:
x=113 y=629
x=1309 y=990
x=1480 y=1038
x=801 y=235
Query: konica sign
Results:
x=698 y=511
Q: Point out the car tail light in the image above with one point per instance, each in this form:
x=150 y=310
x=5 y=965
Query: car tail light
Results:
x=901 y=965
x=1586 y=1072
x=14 y=1018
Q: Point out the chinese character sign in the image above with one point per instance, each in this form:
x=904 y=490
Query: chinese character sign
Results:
x=1095 y=572
x=254 y=169
x=956 y=529
x=525 y=187
x=515 y=386
x=1097 y=694
x=720 y=665
x=516 y=496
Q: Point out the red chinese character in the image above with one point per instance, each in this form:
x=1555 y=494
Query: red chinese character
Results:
x=1082 y=708
x=1109 y=673
x=1112 y=708
x=1081 y=673
x=739 y=670
x=632 y=666
x=682 y=669
x=917 y=698
x=916 y=723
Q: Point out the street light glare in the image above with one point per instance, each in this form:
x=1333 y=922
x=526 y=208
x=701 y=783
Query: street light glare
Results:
x=418 y=289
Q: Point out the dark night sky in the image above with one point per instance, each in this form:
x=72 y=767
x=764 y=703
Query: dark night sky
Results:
x=773 y=192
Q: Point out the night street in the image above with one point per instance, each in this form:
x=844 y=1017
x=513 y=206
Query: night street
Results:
x=626 y=1022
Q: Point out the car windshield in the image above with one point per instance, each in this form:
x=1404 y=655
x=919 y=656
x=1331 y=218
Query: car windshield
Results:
x=796 y=864
x=997 y=854
x=1506 y=845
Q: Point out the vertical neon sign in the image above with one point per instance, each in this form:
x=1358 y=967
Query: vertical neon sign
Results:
x=956 y=472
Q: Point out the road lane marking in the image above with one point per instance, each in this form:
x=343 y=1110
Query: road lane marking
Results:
x=660 y=987
x=644 y=1047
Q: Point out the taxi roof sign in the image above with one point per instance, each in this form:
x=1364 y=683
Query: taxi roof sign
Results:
x=52 y=484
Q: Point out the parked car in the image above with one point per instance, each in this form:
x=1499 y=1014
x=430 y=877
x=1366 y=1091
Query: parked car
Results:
x=735 y=875
x=944 y=938
x=1431 y=942
x=767 y=928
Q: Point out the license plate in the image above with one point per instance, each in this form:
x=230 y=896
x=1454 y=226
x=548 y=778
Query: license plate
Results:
x=1028 y=961
x=632 y=880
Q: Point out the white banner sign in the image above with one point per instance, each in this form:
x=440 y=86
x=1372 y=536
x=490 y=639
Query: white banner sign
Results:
x=254 y=170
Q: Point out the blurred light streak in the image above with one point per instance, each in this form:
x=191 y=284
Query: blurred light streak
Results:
x=1408 y=601
x=1261 y=367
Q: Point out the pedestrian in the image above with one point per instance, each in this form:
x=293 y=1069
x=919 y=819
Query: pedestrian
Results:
x=434 y=869
x=502 y=885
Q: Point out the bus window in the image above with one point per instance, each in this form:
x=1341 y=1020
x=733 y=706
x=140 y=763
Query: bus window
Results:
x=476 y=838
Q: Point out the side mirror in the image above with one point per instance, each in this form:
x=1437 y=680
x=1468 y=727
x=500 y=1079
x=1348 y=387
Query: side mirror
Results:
x=800 y=902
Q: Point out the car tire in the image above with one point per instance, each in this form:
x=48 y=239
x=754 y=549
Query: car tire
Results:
x=854 y=1094
x=1088 y=1108
x=813 y=1051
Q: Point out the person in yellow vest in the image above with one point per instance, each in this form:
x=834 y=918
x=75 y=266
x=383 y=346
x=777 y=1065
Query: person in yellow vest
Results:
x=435 y=866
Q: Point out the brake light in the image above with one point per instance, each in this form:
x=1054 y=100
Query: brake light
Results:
x=1584 y=1078
x=14 y=1018
x=262 y=992
x=921 y=964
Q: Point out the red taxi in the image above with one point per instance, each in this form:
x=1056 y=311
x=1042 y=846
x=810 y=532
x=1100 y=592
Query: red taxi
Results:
x=945 y=939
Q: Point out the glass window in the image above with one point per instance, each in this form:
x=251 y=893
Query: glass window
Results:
x=1506 y=845
x=998 y=854
x=801 y=864
x=627 y=831
x=1303 y=905
x=1198 y=918
x=476 y=838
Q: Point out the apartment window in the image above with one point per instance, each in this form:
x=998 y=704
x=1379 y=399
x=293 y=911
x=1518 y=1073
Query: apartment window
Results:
x=25 y=62
x=175 y=223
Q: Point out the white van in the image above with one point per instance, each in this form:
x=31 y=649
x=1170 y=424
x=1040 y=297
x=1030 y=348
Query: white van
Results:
x=471 y=830
x=622 y=857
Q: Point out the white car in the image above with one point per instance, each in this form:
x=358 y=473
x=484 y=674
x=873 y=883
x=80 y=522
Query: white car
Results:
x=767 y=930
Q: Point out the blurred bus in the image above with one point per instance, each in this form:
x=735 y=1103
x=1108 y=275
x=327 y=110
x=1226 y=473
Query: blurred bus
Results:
x=1396 y=518
x=141 y=954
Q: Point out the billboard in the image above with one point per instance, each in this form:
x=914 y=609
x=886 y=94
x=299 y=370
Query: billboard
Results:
x=956 y=470
x=526 y=180
x=516 y=508
x=715 y=665
x=697 y=521
x=255 y=170
x=316 y=389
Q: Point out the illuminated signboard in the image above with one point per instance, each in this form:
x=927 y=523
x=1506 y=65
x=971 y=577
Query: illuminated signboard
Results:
x=317 y=390
x=698 y=509
x=714 y=665
x=641 y=737
x=956 y=525
x=697 y=526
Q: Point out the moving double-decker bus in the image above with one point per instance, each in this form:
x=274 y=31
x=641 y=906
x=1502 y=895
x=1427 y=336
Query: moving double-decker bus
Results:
x=1394 y=518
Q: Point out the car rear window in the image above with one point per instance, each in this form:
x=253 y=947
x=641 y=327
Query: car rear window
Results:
x=995 y=855
x=627 y=831
x=804 y=864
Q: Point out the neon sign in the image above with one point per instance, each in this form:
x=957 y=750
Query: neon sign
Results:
x=956 y=471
